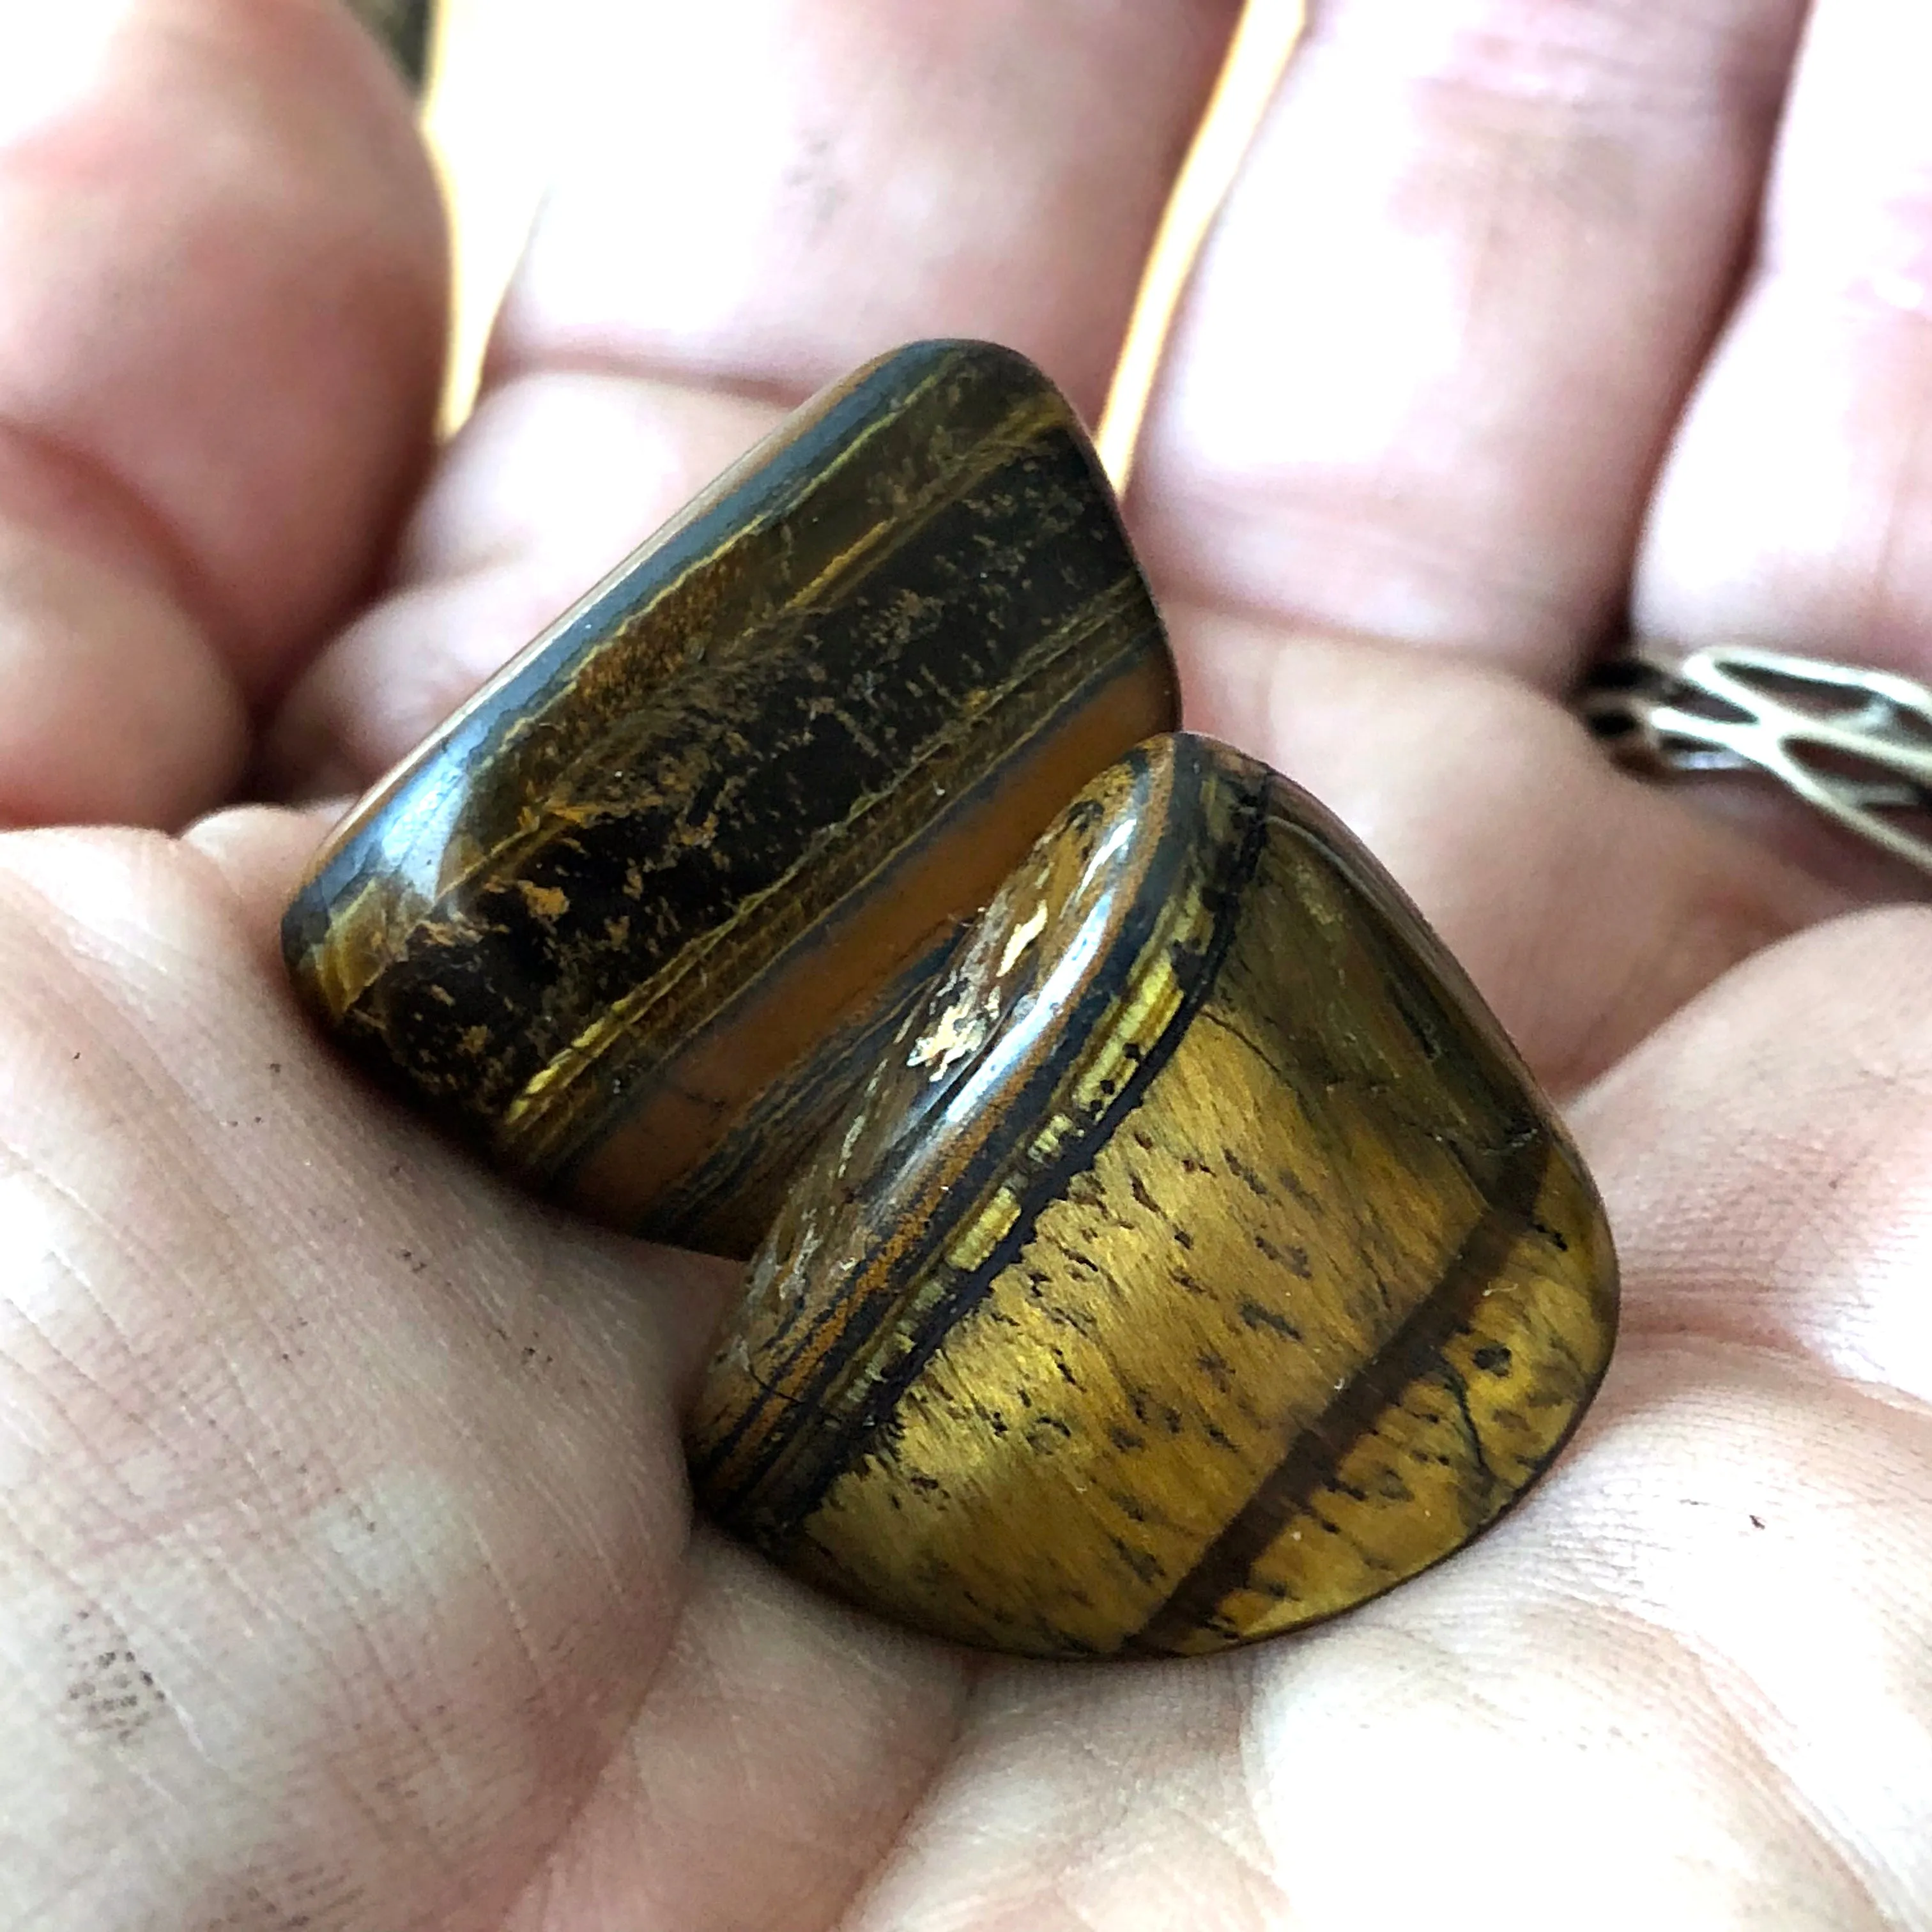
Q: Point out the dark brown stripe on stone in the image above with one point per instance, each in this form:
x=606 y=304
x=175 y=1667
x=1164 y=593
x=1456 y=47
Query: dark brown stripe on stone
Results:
x=1511 y=1188
x=820 y=1453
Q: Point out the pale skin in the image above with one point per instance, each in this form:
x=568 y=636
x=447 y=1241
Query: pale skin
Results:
x=347 y=1580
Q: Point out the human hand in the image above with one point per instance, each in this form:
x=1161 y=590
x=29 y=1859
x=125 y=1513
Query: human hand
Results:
x=346 y=1579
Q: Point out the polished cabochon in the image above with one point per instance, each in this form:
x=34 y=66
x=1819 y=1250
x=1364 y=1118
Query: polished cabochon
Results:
x=1155 y=1244
x=1200 y=1261
x=636 y=922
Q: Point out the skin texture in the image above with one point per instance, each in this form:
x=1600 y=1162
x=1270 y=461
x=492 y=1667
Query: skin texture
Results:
x=346 y=1578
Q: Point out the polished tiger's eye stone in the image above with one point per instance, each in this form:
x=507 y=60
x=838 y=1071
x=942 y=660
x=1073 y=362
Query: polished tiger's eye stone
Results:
x=1200 y=1262
x=639 y=919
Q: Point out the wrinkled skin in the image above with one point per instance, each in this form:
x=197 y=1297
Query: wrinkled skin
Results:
x=347 y=1577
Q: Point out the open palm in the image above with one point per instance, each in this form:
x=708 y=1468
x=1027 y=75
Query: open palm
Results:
x=347 y=1577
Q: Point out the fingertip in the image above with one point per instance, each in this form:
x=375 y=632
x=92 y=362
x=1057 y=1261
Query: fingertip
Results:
x=114 y=707
x=261 y=852
x=245 y=335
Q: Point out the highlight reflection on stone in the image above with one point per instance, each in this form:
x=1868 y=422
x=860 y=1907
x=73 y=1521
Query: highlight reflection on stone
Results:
x=641 y=918
x=1200 y=1262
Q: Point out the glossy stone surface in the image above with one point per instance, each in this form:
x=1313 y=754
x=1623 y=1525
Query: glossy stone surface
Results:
x=639 y=920
x=1200 y=1262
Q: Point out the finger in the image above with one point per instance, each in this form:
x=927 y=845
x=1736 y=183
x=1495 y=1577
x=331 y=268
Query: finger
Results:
x=261 y=853
x=1765 y=1161
x=1789 y=513
x=1789 y=1210
x=696 y=1826
x=220 y=305
x=1795 y=509
x=1586 y=907
x=115 y=705
x=871 y=173
x=1444 y=326
x=342 y=1519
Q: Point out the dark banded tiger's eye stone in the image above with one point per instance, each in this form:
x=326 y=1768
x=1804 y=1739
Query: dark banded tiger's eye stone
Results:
x=1201 y=1262
x=639 y=920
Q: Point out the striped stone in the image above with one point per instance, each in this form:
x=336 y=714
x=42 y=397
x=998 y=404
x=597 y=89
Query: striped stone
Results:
x=1201 y=1262
x=641 y=918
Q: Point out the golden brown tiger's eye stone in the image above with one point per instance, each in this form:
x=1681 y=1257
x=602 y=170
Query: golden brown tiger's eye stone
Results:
x=640 y=918
x=1201 y=1262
